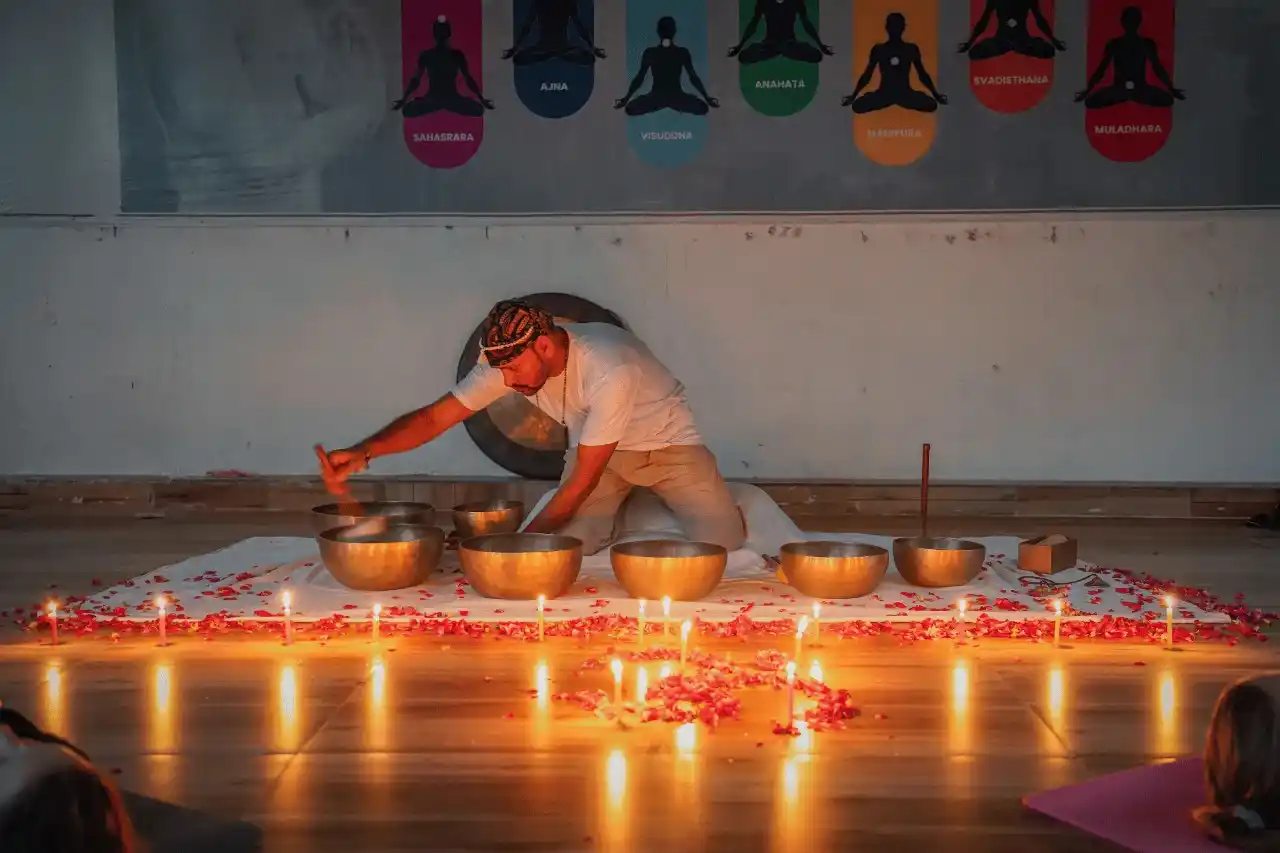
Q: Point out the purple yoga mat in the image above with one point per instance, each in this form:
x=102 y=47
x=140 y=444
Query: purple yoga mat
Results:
x=1147 y=809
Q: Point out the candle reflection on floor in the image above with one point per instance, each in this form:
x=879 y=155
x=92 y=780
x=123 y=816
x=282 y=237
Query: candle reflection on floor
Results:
x=376 y=737
x=794 y=821
x=53 y=703
x=959 y=757
x=162 y=766
x=1055 y=743
x=541 y=717
x=287 y=727
x=1168 y=727
x=615 y=817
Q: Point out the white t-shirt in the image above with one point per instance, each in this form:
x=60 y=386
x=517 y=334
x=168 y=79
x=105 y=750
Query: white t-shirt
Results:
x=613 y=389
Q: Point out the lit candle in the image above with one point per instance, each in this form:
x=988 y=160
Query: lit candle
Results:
x=817 y=620
x=377 y=622
x=616 y=666
x=1168 y=610
x=642 y=684
x=684 y=642
x=1057 y=622
x=542 y=617
x=666 y=615
x=800 y=629
x=288 y=618
x=791 y=694
x=161 y=604
x=53 y=623
x=640 y=624
x=960 y=608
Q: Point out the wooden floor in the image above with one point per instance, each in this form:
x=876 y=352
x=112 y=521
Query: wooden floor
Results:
x=418 y=744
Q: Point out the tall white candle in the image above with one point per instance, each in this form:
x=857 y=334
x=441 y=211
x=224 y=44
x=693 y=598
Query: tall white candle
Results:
x=640 y=624
x=616 y=666
x=817 y=620
x=161 y=604
x=53 y=623
x=288 y=618
x=666 y=615
x=791 y=694
x=542 y=617
x=800 y=629
x=377 y=622
x=1057 y=622
x=685 y=628
x=1168 y=610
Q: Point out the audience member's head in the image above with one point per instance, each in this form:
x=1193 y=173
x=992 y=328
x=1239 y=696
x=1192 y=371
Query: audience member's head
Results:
x=1242 y=766
x=52 y=799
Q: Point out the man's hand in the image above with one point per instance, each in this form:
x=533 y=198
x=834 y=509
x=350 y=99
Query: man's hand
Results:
x=338 y=465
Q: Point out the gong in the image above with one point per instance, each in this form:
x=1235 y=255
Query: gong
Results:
x=513 y=432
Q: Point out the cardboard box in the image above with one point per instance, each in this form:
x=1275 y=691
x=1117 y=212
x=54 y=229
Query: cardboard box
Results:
x=1048 y=555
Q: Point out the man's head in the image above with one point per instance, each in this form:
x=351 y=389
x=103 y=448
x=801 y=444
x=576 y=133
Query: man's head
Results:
x=442 y=30
x=1131 y=19
x=895 y=24
x=666 y=27
x=520 y=340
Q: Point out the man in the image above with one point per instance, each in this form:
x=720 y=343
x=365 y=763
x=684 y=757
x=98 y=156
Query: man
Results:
x=628 y=420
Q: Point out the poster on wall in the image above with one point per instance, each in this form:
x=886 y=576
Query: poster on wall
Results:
x=667 y=101
x=895 y=96
x=553 y=55
x=284 y=107
x=778 y=53
x=443 y=102
x=1130 y=94
x=1011 y=48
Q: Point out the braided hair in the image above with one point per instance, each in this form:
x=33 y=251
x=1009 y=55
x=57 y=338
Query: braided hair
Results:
x=510 y=328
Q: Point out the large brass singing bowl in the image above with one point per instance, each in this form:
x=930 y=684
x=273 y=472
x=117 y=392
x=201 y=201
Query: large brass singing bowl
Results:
x=938 y=562
x=834 y=569
x=521 y=566
x=397 y=556
x=486 y=517
x=655 y=568
x=376 y=514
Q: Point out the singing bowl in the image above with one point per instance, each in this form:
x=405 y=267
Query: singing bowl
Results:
x=397 y=556
x=655 y=568
x=376 y=513
x=834 y=569
x=521 y=566
x=487 y=517
x=930 y=562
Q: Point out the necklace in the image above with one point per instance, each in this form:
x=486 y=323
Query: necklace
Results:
x=564 y=392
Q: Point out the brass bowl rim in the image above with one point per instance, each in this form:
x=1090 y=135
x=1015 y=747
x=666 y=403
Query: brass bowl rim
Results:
x=705 y=549
x=429 y=531
x=335 y=509
x=483 y=507
x=564 y=543
x=798 y=549
x=913 y=542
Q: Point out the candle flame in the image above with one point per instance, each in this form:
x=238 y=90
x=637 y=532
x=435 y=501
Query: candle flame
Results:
x=666 y=605
x=53 y=608
x=1168 y=601
x=1057 y=605
x=542 y=603
x=817 y=609
x=616 y=666
x=286 y=597
x=642 y=607
x=685 y=629
x=791 y=671
x=962 y=604
x=815 y=671
x=377 y=611
x=804 y=624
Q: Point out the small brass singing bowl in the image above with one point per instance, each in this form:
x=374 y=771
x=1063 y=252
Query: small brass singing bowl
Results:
x=376 y=513
x=656 y=568
x=487 y=517
x=395 y=556
x=834 y=569
x=938 y=562
x=521 y=566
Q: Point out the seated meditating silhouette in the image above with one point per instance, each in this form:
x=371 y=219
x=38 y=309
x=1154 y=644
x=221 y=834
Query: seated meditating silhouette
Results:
x=667 y=61
x=1012 y=34
x=552 y=18
x=780 y=39
x=894 y=59
x=1129 y=54
x=442 y=65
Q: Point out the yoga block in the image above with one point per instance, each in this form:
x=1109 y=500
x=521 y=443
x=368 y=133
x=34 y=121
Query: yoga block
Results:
x=1048 y=555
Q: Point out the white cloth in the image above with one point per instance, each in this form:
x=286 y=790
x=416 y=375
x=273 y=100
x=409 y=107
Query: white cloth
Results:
x=617 y=391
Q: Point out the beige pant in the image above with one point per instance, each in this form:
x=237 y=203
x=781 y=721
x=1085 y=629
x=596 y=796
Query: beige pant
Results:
x=684 y=477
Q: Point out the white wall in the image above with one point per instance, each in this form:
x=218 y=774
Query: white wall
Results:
x=1086 y=349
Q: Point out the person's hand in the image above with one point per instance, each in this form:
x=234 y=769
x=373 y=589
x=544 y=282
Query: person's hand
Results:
x=1081 y=95
x=398 y=106
x=847 y=100
x=940 y=98
x=714 y=103
x=488 y=104
x=336 y=466
x=1059 y=44
x=734 y=51
x=620 y=103
x=827 y=49
x=964 y=47
x=1179 y=94
x=508 y=53
x=599 y=52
